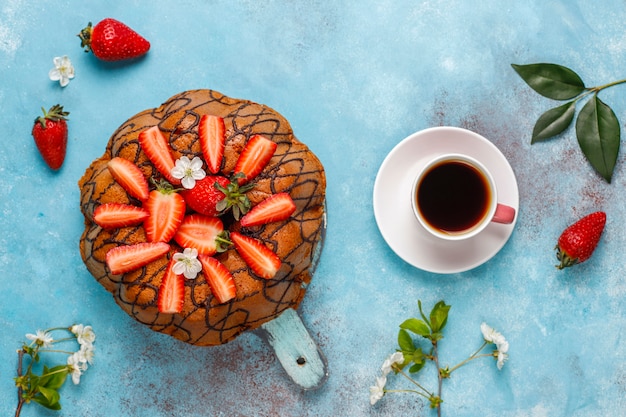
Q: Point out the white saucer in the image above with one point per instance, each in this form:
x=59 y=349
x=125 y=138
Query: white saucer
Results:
x=392 y=201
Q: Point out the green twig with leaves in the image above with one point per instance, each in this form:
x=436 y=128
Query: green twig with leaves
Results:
x=597 y=126
x=411 y=355
x=43 y=388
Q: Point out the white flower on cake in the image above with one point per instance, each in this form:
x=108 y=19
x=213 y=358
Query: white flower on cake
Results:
x=188 y=171
x=187 y=263
x=63 y=70
x=41 y=338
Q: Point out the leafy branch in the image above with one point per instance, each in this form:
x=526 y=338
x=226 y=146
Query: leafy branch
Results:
x=597 y=126
x=43 y=388
x=411 y=355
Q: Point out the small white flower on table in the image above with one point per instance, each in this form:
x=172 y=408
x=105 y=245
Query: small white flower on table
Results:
x=41 y=338
x=502 y=346
x=63 y=70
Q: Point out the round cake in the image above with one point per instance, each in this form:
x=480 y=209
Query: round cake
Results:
x=200 y=276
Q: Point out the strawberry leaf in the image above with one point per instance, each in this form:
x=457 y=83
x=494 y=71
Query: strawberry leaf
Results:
x=551 y=80
x=598 y=133
x=553 y=122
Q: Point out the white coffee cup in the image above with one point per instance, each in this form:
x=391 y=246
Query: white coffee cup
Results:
x=454 y=197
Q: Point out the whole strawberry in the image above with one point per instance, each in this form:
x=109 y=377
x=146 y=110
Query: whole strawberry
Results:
x=50 y=134
x=112 y=40
x=215 y=195
x=578 y=241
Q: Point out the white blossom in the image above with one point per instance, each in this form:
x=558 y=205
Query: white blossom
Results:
x=63 y=70
x=395 y=358
x=502 y=346
x=378 y=391
x=76 y=367
x=188 y=171
x=187 y=263
x=41 y=338
x=84 y=334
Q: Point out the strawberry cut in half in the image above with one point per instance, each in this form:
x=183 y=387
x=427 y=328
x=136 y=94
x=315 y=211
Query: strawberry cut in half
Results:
x=171 y=291
x=220 y=279
x=254 y=157
x=156 y=147
x=212 y=133
x=275 y=208
x=257 y=256
x=127 y=258
x=130 y=177
x=202 y=233
x=117 y=215
x=167 y=211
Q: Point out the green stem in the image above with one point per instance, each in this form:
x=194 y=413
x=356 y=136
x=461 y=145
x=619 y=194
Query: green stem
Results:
x=408 y=390
x=471 y=357
x=602 y=87
x=20 y=399
x=425 y=393
x=439 y=376
x=484 y=355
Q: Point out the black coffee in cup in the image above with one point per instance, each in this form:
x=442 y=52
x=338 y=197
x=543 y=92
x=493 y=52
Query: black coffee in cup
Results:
x=453 y=196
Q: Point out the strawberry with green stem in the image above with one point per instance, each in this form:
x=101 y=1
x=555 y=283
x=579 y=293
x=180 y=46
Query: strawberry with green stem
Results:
x=167 y=210
x=578 y=241
x=50 y=134
x=112 y=40
x=215 y=195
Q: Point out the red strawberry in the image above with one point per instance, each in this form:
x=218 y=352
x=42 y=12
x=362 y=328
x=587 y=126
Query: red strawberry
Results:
x=116 y=215
x=219 y=278
x=578 y=241
x=273 y=209
x=255 y=155
x=50 y=134
x=215 y=195
x=202 y=233
x=212 y=140
x=257 y=256
x=157 y=149
x=167 y=210
x=126 y=258
x=171 y=291
x=130 y=177
x=112 y=40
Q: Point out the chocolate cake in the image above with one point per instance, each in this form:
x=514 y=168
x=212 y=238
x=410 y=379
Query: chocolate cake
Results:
x=293 y=170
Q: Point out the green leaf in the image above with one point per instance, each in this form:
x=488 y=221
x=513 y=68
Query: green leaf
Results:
x=49 y=398
x=416 y=326
x=551 y=80
x=554 y=121
x=419 y=305
x=416 y=367
x=598 y=133
x=405 y=341
x=56 y=377
x=439 y=316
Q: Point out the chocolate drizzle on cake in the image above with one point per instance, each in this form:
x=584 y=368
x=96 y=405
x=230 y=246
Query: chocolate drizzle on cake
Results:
x=293 y=169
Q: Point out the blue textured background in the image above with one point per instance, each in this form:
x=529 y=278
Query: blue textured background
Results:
x=353 y=79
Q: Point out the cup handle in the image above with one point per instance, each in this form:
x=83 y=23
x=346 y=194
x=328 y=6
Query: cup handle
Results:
x=504 y=214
